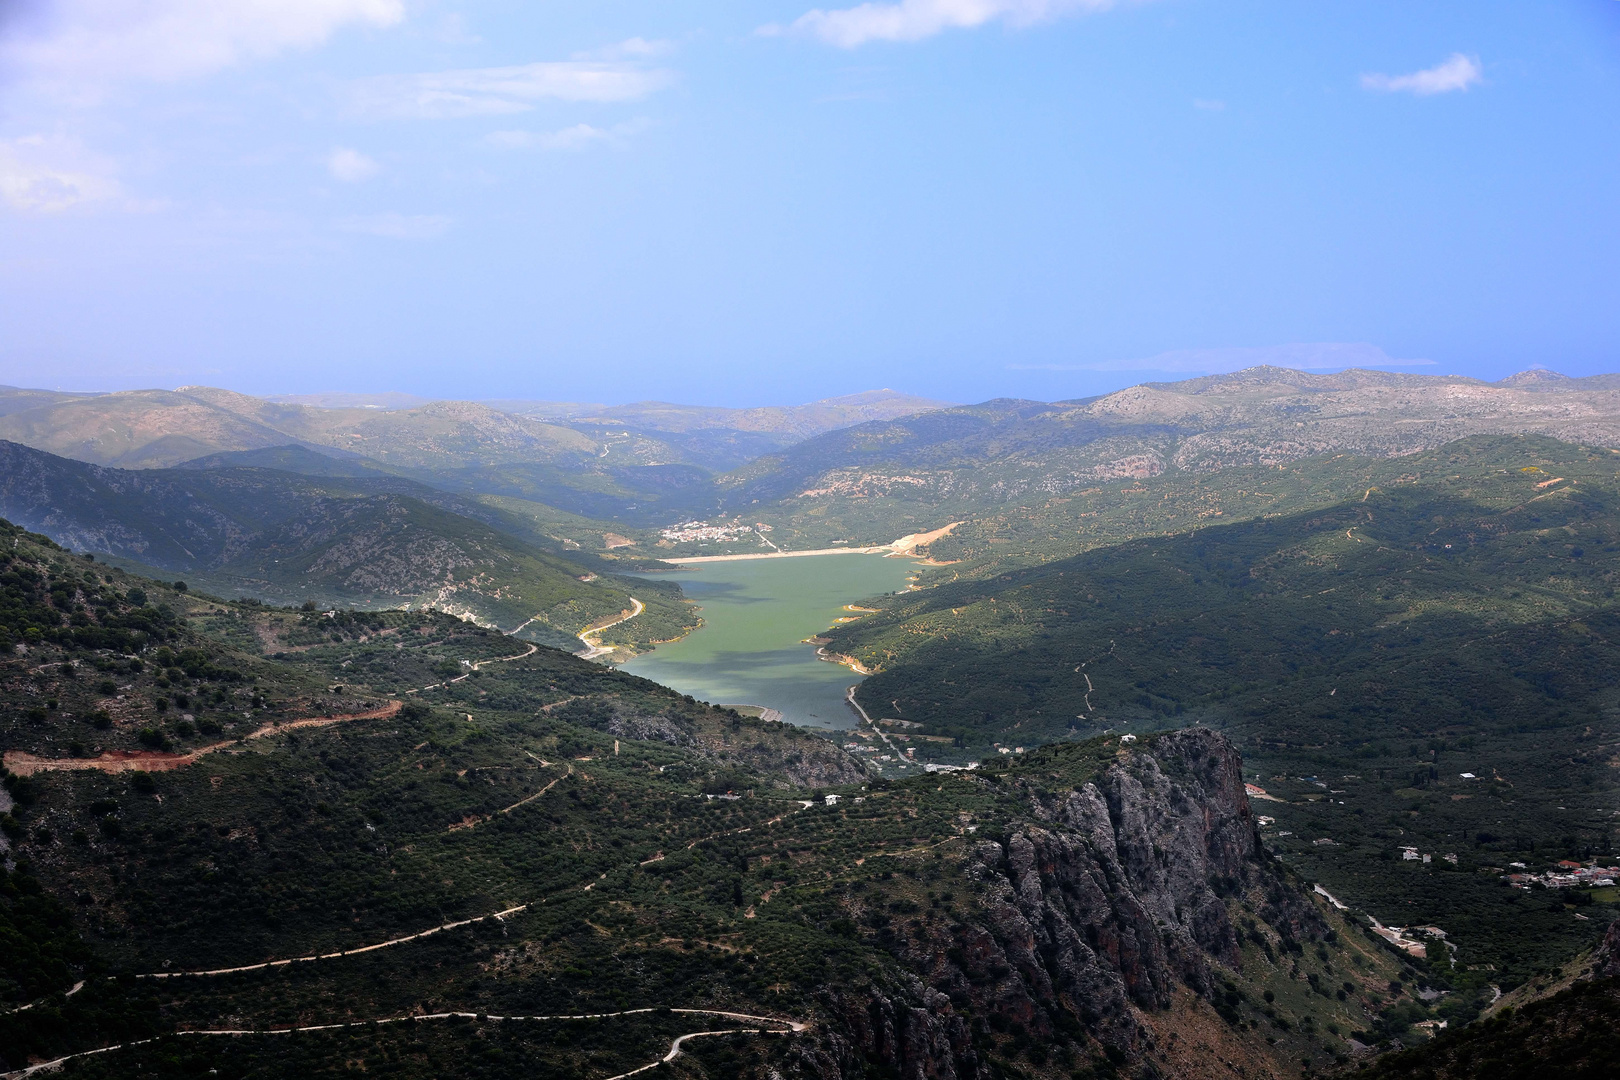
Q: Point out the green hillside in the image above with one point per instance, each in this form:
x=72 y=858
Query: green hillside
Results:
x=1460 y=621
x=1568 y=1035
x=372 y=541
x=1007 y=459
x=532 y=836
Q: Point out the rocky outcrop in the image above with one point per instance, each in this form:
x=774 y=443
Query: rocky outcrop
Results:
x=1606 y=958
x=1092 y=912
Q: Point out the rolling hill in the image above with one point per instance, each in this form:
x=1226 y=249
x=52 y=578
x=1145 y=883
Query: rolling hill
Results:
x=879 y=480
x=375 y=541
x=646 y=464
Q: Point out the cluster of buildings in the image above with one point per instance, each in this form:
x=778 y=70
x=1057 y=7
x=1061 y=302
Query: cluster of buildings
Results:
x=1566 y=875
x=691 y=531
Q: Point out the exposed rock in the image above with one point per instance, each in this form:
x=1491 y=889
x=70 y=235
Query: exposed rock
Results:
x=1606 y=958
x=1094 y=912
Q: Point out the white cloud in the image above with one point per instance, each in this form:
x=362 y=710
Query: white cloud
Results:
x=1456 y=72
x=49 y=174
x=350 y=166
x=578 y=137
x=494 y=91
x=80 y=42
x=912 y=20
x=398 y=226
x=1303 y=356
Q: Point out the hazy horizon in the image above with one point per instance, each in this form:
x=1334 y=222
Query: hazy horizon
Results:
x=388 y=398
x=775 y=202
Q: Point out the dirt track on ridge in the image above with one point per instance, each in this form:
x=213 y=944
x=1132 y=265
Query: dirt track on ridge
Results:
x=116 y=761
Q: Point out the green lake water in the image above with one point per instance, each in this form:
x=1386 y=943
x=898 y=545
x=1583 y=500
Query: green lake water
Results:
x=750 y=649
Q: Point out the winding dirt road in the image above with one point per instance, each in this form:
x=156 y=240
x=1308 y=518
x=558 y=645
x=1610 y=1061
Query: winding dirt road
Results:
x=593 y=649
x=337 y=955
x=783 y=1027
x=117 y=761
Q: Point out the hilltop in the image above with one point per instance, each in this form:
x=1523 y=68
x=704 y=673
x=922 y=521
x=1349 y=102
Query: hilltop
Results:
x=884 y=479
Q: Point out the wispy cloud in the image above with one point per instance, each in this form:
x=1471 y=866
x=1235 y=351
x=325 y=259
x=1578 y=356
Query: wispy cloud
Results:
x=635 y=48
x=578 y=137
x=912 y=20
x=398 y=226
x=494 y=91
x=49 y=174
x=1456 y=72
x=350 y=166
x=74 y=46
x=1304 y=356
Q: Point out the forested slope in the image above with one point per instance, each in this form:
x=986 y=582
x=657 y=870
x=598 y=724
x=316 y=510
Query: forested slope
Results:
x=442 y=852
x=342 y=540
x=1364 y=656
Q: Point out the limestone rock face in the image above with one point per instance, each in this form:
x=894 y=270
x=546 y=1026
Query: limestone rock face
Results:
x=1606 y=960
x=1094 y=910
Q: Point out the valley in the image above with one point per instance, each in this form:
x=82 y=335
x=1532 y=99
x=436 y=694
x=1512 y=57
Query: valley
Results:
x=1236 y=722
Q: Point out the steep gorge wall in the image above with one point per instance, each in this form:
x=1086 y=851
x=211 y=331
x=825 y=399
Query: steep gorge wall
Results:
x=1093 y=912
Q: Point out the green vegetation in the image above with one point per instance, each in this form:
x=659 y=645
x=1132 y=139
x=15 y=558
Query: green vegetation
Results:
x=1457 y=622
x=338 y=541
x=1413 y=653
x=646 y=851
x=1569 y=1035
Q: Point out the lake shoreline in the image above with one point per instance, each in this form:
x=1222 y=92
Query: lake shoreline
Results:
x=884 y=550
x=759 y=619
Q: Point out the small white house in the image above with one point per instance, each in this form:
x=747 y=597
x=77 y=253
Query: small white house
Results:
x=832 y=800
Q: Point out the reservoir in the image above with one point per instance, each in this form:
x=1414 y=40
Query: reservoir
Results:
x=751 y=650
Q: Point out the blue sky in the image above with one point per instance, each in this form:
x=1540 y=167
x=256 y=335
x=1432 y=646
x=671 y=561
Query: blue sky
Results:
x=766 y=202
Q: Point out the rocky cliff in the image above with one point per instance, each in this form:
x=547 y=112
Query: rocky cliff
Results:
x=1096 y=914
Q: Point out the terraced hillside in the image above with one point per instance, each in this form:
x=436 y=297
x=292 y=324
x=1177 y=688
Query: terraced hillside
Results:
x=523 y=862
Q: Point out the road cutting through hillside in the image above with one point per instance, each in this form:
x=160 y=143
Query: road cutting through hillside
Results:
x=337 y=955
x=473 y=821
x=592 y=649
x=475 y=665
x=804 y=805
x=117 y=761
x=785 y=1027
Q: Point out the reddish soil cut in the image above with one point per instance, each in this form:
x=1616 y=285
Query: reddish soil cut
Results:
x=117 y=761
